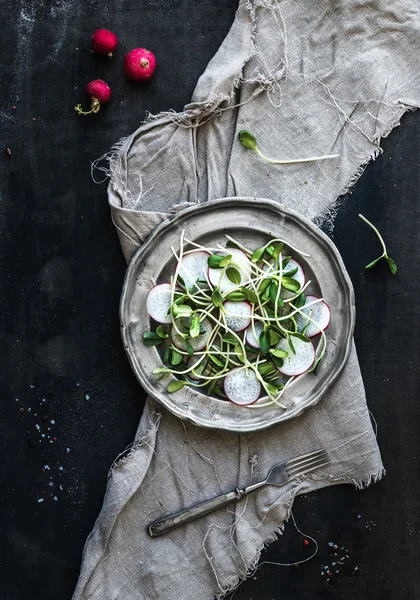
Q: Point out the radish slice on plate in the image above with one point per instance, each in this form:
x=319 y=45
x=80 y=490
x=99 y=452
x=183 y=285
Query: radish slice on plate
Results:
x=299 y=276
x=197 y=343
x=296 y=364
x=251 y=340
x=237 y=308
x=158 y=302
x=240 y=388
x=240 y=261
x=319 y=312
x=194 y=267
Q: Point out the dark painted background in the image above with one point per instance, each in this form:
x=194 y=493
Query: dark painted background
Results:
x=62 y=361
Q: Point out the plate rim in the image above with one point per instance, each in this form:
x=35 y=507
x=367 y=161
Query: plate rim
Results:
x=230 y=200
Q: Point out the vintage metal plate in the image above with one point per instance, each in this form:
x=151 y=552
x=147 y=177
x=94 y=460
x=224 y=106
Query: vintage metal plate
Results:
x=253 y=222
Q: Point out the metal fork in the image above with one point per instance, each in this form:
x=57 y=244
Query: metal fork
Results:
x=278 y=475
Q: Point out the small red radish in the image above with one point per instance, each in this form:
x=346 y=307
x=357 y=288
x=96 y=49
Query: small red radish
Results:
x=104 y=42
x=319 y=312
x=299 y=363
x=158 y=302
x=243 y=309
x=139 y=64
x=242 y=388
x=99 y=92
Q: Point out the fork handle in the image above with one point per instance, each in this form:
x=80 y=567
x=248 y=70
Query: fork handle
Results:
x=175 y=520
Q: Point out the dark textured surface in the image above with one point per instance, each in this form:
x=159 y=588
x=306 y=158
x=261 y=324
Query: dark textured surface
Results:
x=61 y=275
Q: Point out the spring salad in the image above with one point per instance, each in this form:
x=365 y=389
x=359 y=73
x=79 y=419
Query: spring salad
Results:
x=236 y=322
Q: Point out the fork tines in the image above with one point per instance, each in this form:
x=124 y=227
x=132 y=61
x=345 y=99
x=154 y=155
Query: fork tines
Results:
x=306 y=462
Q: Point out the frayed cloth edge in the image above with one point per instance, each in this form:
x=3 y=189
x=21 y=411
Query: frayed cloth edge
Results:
x=396 y=122
x=273 y=537
x=279 y=530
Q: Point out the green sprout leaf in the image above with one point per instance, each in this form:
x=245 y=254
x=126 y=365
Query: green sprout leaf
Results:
x=277 y=361
x=174 y=386
x=290 y=284
x=233 y=275
x=162 y=333
x=267 y=368
x=150 y=338
x=181 y=311
x=229 y=338
x=176 y=358
x=257 y=255
x=273 y=337
x=250 y=295
x=238 y=296
x=264 y=341
x=391 y=263
x=279 y=353
x=264 y=285
x=189 y=348
x=195 y=326
x=277 y=250
x=291 y=346
x=300 y=336
x=247 y=140
x=240 y=355
x=225 y=260
x=217 y=298
x=266 y=294
x=214 y=261
x=285 y=262
x=216 y=360
x=270 y=250
x=291 y=272
x=300 y=301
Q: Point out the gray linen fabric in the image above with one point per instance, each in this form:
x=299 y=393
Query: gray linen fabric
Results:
x=307 y=78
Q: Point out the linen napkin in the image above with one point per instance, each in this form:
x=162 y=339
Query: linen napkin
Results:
x=306 y=78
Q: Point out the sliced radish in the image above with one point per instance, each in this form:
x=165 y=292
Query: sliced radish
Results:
x=241 y=388
x=194 y=267
x=251 y=340
x=237 y=308
x=296 y=364
x=240 y=261
x=319 y=312
x=158 y=302
x=299 y=276
x=202 y=369
x=198 y=342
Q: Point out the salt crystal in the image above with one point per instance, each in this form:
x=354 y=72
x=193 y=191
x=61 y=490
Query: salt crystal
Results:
x=40 y=499
x=87 y=396
x=51 y=483
x=331 y=544
x=29 y=409
x=37 y=426
x=61 y=487
x=43 y=435
x=359 y=516
x=52 y=421
x=68 y=450
x=61 y=468
x=55 y=498
x=47 y=467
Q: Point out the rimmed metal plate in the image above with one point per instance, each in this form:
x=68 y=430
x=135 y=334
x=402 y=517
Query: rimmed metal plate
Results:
x=253 y=221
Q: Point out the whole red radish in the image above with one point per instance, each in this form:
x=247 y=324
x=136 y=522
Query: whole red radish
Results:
x=139 y=64
x=99 y=92
x=104 y=42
